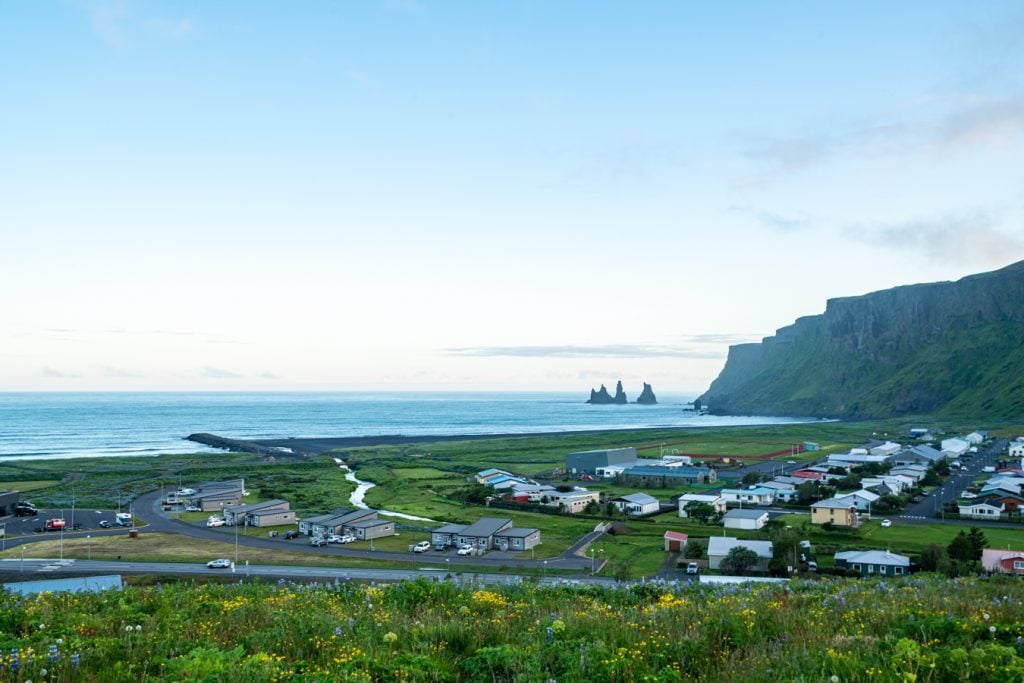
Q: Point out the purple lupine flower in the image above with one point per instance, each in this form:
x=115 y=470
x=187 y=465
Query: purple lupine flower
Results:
x=74 y=660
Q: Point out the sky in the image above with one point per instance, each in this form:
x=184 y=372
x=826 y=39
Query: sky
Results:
x=505 y=196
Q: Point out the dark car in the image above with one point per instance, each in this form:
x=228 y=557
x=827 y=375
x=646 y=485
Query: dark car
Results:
x=104 y=524
x=289 y=535
x=25 y=510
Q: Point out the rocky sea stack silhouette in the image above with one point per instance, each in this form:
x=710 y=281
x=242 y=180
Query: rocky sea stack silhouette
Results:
x=647 y=397
x=601 y=396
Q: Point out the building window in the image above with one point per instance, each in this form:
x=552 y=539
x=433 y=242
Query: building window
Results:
x=897 y=570
x=1017 y=564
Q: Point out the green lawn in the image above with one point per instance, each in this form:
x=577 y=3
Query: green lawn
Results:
x=29 y=485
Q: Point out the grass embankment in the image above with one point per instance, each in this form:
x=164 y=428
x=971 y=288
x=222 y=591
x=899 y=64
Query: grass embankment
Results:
x=923 y=629
x=28 y=485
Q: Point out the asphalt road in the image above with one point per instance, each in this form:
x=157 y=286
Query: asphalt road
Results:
x=930 y=507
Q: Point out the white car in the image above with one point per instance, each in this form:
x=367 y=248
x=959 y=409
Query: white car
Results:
x=193 y=508
x=968 y=494
x=465 y=549
x=333 y=538
x=347 y=538
x=886 y=523
x=222 y=563
x=214 y=522
x=421 y=547
x=187 y=492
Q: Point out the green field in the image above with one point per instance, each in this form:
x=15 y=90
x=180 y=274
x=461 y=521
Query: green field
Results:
x=28 y=485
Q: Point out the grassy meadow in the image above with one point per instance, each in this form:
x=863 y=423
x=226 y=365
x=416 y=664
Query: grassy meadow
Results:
x=919 y=629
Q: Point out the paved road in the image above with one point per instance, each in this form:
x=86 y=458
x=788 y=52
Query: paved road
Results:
x=930 y=507
x=39 y=569
x=148 y=508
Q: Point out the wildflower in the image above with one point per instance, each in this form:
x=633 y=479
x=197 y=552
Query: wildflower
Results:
x=138 y=627
x=985 y=616
x=128 y=628
x=558 y=626
x=551 y=634
x=834 y=679
x=390 y=637
x=992 y=629
x=337 y=632
x=75 y=658
x=60 y=641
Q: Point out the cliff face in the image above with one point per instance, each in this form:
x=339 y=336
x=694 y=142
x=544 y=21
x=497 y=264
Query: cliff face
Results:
x=953 y=348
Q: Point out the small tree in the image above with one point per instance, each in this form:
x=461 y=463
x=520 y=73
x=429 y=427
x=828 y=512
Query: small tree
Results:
x=739 y=560
x=961 y=548
x=693 y=551
x=978 y=543
x=591 y=508
x=750 y=478
x=933 y=558
x=806 y=493
x=701 y=511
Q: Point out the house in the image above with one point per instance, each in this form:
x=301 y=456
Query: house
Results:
x=784 y=491
x=8 y=502
x=918 y=455
x=838 y=512
x=228 y=485
x=485 y=476
x=855 y=459
x=889 y=448
x=719 y=547
x=675 y=541
x=637 y=504
x=517 y=539
x=368 y=529
x=862 y=499
x=915 y=472
x=505 y=482
x=807 y=475
x=572 y=502
x=745 y=519
x=446 y=535
x=713 y=499
x=871 y=562
x=998 y=561
x=587 y=462
x=237 y=514
x=976 y=437
x=1016 y=449
x=897 y=484
x=1010 y=501
x=215 y=501
x=755 y=495
x=529 y=493
x=275 y=517
x=325 y=525
x=981 y=509
x=955 y=446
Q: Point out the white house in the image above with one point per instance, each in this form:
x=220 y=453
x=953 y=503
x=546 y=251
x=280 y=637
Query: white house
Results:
x=887 y=448
x=981 y=510
x=898 y=483
x=863 y=499
x=956 y=446
x=1016 y=449
x=915 y=472
x=755 y=495
x=571 y=501
x=714 y=500
x=784 y=491
x=637 y=504
x=719 y=547
x=745 y=519
x=976 y=437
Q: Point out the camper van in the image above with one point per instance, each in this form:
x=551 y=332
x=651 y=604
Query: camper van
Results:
x=124 y=519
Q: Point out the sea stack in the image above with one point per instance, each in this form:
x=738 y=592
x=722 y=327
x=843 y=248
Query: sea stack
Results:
x=602 y=397
x=647 y=397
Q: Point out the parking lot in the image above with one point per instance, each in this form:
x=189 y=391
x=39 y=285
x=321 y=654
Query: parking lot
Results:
x=77 y=520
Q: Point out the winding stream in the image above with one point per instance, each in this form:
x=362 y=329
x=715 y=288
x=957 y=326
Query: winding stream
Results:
x=356 y=499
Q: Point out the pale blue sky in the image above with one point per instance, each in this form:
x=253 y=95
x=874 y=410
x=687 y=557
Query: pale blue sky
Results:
x=459 y=195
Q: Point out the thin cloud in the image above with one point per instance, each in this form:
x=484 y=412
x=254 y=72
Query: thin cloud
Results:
x=111 y=371
x=57 y=374
x=268 y=375
x=219 y=373
x=967 y=123
x=115 y=23
x=972 y=237
x=574 y=351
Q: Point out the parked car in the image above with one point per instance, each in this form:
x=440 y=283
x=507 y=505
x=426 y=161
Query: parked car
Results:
x=289 y=535
x=806 y=545
x=421 y=547
x=186 y=492
x=465 y=549
x=318 y=541
x=347 y=538
x=886 y=523
x=693 y=569
x=968 y=494
x=812 y=566
x=25 y=510
x=105 y=524
x=193 y=508
x=222 y=563
x=214 y=522
x=334 y=538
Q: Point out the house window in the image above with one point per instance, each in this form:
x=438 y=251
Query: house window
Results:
x=1017 y=564
x=897 y=570
x=871 y=569
x=881 y=569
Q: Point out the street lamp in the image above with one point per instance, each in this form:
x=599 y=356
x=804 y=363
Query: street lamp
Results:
x=88 y=541
x=544 y=574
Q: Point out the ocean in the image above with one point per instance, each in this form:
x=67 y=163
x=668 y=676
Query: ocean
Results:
x=67 y=425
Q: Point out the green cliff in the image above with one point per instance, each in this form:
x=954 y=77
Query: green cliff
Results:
x=945 y=348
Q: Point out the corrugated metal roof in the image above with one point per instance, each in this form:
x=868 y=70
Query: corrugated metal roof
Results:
x=77 y=585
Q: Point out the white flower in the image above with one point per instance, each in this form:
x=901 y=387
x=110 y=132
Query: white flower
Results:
x=138 y=628
x=128 y=628
x=60 y=641
x=834 y=679
x=985 y=616
x=991 y=629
